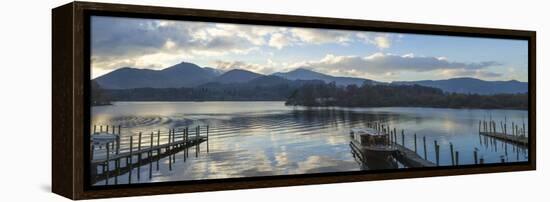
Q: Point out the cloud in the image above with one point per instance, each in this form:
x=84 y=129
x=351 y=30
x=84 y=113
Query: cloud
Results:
x=126 y=41
x=321 y=36
x=278 y=41
x=388 y=64
x=382 y=41
x=478 y=73
x=258 y=68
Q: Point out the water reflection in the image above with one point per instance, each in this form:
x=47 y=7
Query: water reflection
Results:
x=268 y=138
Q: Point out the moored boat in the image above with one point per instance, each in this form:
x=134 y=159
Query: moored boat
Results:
x=374 y=147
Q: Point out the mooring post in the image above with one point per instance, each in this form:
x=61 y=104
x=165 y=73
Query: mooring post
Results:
x=479 y=128
x=167 y=150
x=457 y=161
x=403 y=137
x=107 y=129
x=481 y=161
x=415 y=151
x=197 y=136
x=175 y=146
x=452 y=154
x=391 y=137
x=475 y=156
x=158 y=149
x=436 y=147
x=185 y=144
x=502 y=159
x=117 y=168
x=207 y=138
x=425 y=152
x=107 y=165
x=150 y=154
x=139 y=157
x=131 y=159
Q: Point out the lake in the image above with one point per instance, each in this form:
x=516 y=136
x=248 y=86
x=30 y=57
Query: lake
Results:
x=268 y=138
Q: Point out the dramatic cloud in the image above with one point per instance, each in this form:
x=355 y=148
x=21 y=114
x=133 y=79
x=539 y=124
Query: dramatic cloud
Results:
x=321 y=36
x=156 y=44
x=279 y=41
x=381 y=41
x=388 y=64
x=133 y=42
x=267 y=68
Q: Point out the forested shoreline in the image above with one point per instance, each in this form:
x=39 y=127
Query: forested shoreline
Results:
x=317 y=94
x=399 y=96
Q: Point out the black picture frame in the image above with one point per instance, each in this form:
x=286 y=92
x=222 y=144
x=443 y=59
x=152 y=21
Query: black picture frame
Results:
x=71 y=99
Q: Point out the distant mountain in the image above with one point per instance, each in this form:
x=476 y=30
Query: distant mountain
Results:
x=236 y=76
x=305 y=74
x=180 y=75
x=471 y=85
x=215 y=71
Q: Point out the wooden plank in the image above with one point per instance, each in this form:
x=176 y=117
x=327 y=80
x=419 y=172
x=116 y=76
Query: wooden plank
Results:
x=410 y=159
x=519 y=140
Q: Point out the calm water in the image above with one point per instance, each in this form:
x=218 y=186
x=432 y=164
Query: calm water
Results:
x=267 y=138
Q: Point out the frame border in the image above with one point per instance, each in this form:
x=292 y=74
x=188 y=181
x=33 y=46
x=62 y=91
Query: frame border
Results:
x=71 y=107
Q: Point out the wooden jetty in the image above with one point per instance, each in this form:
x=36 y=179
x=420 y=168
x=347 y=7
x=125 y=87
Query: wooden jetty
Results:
x=116 y=163
x=399 y=151
x=410 y=158
x=515 y=135
x=411 y=155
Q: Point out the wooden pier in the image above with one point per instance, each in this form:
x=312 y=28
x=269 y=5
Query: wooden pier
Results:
x=410 y=158
x=415 y=154
x=114 y=162
x=514 y=135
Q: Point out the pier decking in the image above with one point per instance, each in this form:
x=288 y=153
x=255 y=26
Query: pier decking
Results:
x=519 y=140
x=515 y=135
x=115 y=163
x=410 y=158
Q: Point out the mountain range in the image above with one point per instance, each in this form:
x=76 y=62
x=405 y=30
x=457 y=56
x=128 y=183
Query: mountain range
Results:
x=189 y=75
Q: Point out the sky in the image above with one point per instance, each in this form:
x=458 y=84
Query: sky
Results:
x=118 y=42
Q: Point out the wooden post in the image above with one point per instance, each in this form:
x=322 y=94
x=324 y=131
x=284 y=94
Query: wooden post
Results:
x=150 y=154
x=117 y=168
x=207 y=138
x=415 y=150
x=185 y=145
x=436 y=147
x=175 y=146
x=403 y=137
x=481 y=161
x=197 y=135
x=457 y=161
x=107 y=129
x=107 y=165
x=169 y=156
x=139 y=157
x=94 y=129
x=131 y=159
x=425 y=153
x=502 y=159
x=158 y=150
x=452 y=154
x=100 y=128
x=475 y=156
x=479 y=127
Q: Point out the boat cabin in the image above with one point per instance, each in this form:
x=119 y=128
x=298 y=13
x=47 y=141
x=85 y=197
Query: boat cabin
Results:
x=369 y=137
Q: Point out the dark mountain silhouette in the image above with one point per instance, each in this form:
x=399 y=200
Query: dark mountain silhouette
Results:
x=471 y=85
x=189 y=75
x=306 y=74
x=180 y=75
x=236 y=76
